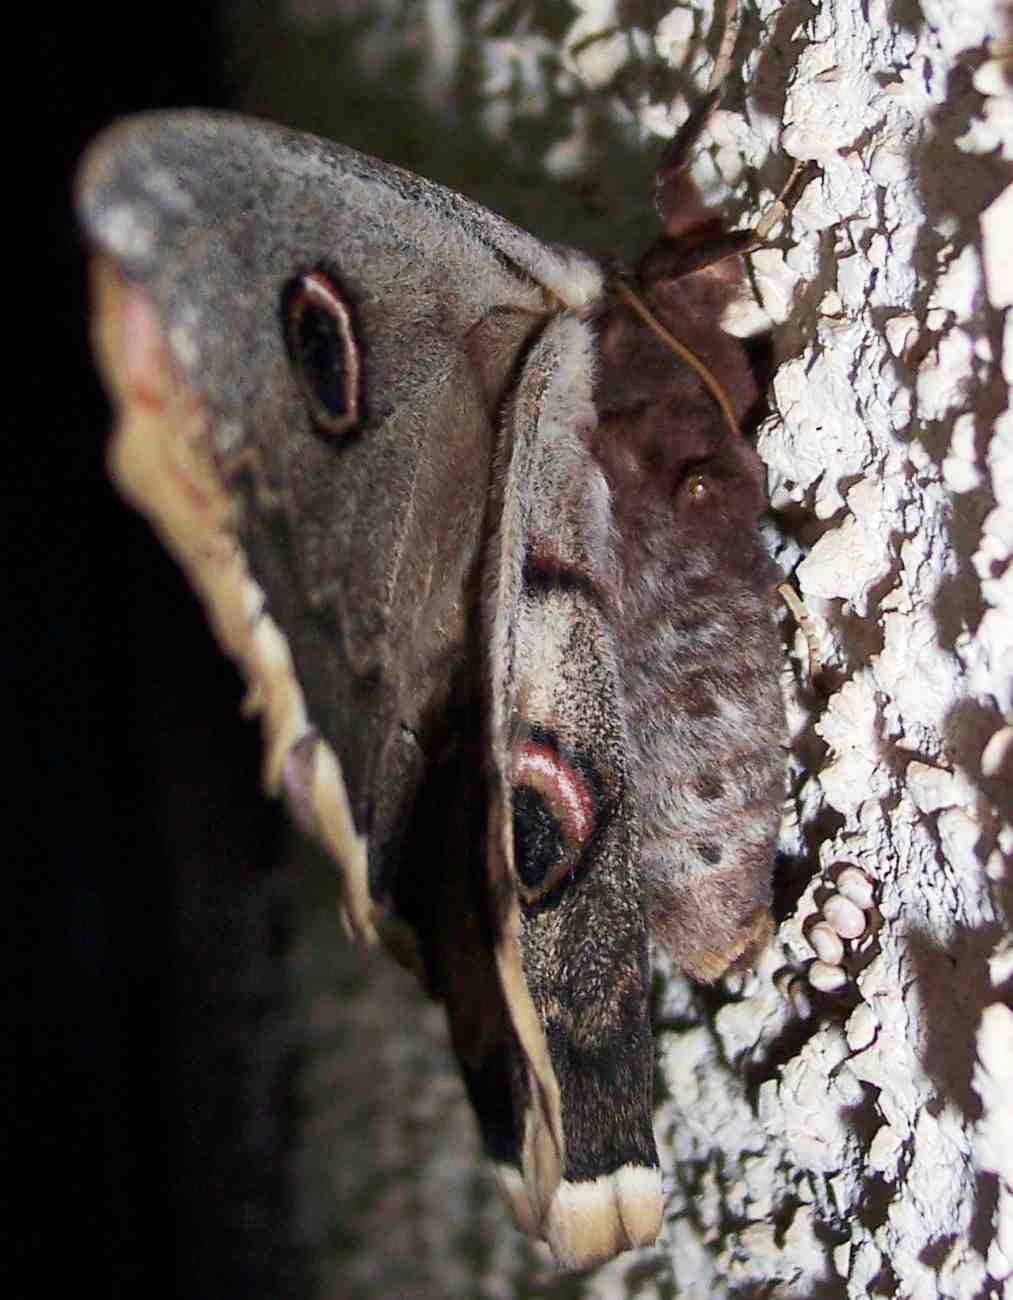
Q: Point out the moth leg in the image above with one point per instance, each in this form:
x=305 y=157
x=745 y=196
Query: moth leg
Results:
x=702 y=242
x=806 y=626
x=779 y=207
x=676 y=154
x=676 y=198
x=729 y=36
x=846 y=917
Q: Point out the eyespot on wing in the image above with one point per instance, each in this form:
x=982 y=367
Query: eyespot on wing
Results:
x=320 y=341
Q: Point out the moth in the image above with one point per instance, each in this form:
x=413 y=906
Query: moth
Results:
x=475 y=517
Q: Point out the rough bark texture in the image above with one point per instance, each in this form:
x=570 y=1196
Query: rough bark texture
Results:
x=852 y=1144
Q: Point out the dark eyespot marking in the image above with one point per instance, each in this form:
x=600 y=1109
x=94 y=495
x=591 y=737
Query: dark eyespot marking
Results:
x=710 y=853
x=320 y=341
x=709 y=787
x=543 y=573
x=555 y=815
x=538 y=840
x=698 y=698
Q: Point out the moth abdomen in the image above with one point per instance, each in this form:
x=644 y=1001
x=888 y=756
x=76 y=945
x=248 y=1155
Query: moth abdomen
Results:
x=692 y=584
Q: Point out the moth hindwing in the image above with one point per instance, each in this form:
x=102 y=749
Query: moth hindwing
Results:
x=479 y=526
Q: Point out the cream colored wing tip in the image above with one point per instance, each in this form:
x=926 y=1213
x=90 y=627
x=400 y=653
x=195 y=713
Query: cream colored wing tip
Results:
x=592 y=1221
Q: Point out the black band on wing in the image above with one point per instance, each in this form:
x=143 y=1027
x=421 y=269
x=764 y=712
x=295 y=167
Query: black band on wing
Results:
x=543 y=574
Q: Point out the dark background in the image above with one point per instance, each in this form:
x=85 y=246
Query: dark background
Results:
x=149 y=916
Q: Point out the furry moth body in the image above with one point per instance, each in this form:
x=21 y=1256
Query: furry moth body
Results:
x=484 y=544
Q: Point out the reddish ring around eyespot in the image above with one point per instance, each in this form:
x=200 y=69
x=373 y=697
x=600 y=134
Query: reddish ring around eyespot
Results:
x=538 y=764
x=320 y=340
x=555 y=815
